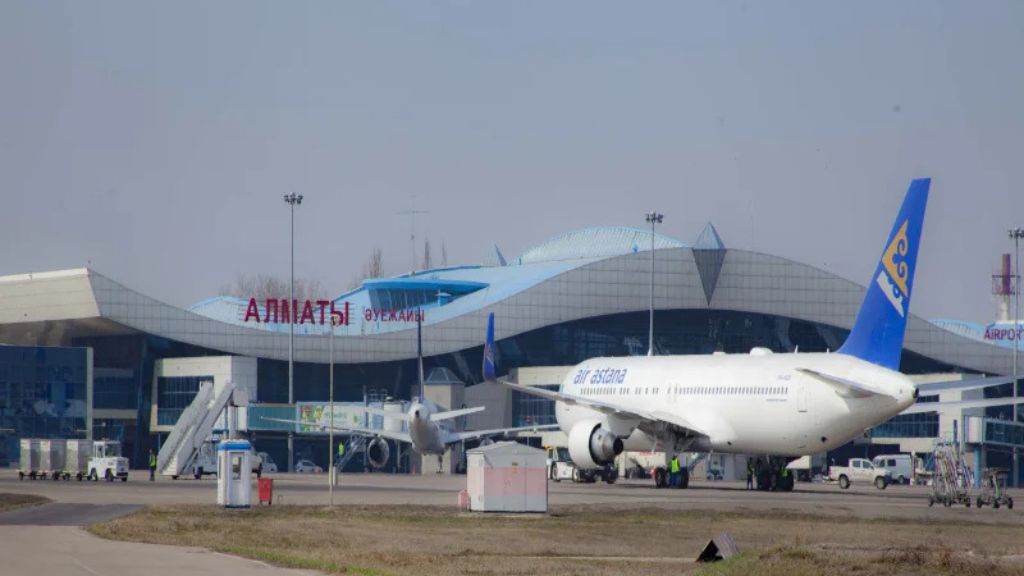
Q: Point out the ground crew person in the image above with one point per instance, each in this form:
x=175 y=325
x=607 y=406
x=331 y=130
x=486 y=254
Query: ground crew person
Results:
x=785 y=477
x=674 y=472
x=152 y=466
x=341 y=452
x=757 y=473
x=750 y=473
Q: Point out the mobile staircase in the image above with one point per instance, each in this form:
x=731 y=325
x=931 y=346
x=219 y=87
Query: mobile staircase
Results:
x=194 y=426
x=355 y=445
x=952 y=478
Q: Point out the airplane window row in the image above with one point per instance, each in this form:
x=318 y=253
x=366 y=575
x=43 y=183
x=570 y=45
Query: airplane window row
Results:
x=689 y=391
x=732 y=390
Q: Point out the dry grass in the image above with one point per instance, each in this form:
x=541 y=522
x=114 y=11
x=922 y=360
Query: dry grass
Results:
x=575 y=540
x=14 y=501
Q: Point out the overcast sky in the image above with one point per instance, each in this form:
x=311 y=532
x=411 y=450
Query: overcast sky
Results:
x=153 y=141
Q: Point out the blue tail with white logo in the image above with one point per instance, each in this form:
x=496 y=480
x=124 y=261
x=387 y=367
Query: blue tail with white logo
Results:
x=877 y=335
x=489 y=370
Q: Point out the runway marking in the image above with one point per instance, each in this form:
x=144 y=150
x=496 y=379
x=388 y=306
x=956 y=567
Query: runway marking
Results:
x=84 y=567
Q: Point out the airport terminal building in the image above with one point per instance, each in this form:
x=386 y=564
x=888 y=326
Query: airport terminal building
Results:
x=84 y=356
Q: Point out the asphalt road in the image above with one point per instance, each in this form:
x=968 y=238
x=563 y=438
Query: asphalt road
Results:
x=439 y=490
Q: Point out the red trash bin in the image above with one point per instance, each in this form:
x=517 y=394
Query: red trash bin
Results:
x=266 y=489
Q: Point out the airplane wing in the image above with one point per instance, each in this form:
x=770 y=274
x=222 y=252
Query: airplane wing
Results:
x=455 y=413
x=398 y=436
x=474 y=434
x=843 y=386
x=657 y=416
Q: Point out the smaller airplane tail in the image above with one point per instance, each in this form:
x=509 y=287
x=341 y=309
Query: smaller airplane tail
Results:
x=489 y=369
x=877 y=334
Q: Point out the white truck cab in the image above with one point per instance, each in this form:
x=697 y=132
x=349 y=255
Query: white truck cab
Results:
x=107 y=462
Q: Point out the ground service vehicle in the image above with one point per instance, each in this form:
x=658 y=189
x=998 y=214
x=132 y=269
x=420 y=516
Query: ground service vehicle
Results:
x=900 y=466
x=859 y=470
x=561 y=467
x=107 y=462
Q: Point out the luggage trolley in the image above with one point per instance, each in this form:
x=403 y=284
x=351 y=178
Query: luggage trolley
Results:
x=993 y=489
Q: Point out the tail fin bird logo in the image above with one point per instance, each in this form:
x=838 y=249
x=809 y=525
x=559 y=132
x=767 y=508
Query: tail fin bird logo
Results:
x=892 y=279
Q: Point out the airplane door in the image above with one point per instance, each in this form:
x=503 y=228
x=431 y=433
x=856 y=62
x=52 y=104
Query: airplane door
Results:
x=801 y=397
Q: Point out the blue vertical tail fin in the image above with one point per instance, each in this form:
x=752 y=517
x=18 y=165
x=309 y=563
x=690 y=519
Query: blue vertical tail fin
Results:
x=489 y=369
x=877 y=334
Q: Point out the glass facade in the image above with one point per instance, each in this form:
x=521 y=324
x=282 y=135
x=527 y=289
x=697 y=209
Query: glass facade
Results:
x=42 y=395
x=174 y=394
x=924 y=425
x=530 y=410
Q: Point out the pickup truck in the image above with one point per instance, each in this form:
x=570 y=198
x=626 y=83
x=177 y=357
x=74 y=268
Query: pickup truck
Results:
x=859 y=470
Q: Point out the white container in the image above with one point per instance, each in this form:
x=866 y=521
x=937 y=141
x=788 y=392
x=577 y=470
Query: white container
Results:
x=507 y=477
x=29 y=460
x=78 y=454
x=52 y=454
x=234 y=474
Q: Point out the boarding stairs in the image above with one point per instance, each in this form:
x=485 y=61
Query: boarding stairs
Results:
x=355 y=445
x=192 y=429
x=697 y=459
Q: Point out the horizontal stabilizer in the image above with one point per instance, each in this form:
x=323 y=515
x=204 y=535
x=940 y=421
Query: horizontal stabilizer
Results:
x=922 y=407
x=455 y=413
x=961 y=385
x=843 y=386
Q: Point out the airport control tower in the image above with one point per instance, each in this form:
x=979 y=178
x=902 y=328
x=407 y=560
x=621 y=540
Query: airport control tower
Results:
x=1003 y=288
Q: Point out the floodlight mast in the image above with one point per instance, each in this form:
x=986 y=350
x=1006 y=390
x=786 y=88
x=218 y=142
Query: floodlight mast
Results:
x=1016 y=234
x=292 y=200
x=653 y=218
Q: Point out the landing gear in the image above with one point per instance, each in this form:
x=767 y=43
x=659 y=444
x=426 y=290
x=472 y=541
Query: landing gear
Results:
x=772 y=476
x=663 y=479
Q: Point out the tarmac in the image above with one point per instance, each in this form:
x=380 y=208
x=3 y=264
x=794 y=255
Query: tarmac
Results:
x=50 y=538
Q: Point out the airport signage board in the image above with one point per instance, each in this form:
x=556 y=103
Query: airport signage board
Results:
x=315 y=418
x=1005 y=333
x=277 y=311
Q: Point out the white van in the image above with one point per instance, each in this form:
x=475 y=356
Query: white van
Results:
x=900 y=466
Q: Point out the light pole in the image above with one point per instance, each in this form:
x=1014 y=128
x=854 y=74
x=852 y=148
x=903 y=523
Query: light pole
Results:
x=1016 y=234
x=652 y=219
x=332 y=475
x=292 y=200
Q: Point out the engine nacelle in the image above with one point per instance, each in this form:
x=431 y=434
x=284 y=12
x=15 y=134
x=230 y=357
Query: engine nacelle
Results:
x=377 y=452
x=591 y=445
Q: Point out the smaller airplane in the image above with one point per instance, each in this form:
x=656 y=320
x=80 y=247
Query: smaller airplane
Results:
x=430 y=426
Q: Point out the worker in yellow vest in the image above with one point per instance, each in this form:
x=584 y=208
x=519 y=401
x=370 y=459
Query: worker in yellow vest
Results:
x=674 y=472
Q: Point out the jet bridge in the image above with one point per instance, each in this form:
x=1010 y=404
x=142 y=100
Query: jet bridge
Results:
x=195 y=426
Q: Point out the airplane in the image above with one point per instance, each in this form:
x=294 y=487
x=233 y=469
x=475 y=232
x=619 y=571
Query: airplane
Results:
x=430 y=426
x=775 y=406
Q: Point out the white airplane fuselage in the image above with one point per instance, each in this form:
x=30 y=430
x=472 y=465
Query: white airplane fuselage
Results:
x=428 y=436
x=745 y=403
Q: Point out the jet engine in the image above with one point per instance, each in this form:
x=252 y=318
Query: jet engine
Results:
x=591 y=445
x=377 y=452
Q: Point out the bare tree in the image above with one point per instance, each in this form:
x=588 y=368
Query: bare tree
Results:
x=267 y=286
x=428 y=261
x=373 y=268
